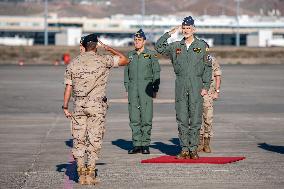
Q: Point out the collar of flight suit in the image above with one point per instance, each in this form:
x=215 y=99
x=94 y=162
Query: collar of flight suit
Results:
x=182 y=42
x=145 y=51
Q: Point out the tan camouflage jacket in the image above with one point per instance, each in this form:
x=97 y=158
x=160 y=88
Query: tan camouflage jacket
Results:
x=88 y=74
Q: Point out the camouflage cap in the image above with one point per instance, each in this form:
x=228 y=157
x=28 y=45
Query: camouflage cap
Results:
x=90 y=38
x=82 y=38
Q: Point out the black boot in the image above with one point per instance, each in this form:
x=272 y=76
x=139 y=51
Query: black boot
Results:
x=145 y=150
x=135 y=150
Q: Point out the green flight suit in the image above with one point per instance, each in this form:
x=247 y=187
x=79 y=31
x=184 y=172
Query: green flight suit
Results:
x=141 y=80
x=193 y=71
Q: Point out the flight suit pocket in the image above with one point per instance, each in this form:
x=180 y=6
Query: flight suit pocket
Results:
x=179 y=90
x=177 y=62
x=199 y=67
x=177 y=67
x=132 y=70
x=148 y=71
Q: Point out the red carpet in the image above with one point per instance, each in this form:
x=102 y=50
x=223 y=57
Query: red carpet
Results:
x=210 y=160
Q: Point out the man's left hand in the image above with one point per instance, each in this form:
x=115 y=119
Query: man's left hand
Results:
x=154 y=94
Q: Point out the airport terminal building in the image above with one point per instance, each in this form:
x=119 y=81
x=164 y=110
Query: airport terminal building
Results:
x=257 y=31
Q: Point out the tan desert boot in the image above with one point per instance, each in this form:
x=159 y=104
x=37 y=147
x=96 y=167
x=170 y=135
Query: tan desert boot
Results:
x=91 y=177
x=206 y=147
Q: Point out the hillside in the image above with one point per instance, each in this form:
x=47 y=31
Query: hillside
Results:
x=107 y=8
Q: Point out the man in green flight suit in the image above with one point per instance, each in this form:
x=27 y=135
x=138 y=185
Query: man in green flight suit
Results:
x=141 y=81
x=192 y=67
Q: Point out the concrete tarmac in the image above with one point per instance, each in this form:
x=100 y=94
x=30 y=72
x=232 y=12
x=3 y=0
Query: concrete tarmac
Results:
x=35 y=139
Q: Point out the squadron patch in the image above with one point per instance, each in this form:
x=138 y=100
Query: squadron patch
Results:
x=147 y=56
x=130 y=58
x=178 y=51
x=197 y=50
x=209 y=57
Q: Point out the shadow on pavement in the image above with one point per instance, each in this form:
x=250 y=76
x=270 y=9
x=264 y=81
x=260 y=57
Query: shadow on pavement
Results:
x=175 y=141
x=168 y=149
x=69 y=143
x=69 y=169
x=272 y=148
x=123 y=144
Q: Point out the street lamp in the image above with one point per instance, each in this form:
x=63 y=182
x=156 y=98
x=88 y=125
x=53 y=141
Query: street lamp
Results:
x=45 y=22
x=238 y=23
x=142 y=12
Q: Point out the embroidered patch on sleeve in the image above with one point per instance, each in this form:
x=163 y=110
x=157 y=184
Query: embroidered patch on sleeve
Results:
x=178 y=51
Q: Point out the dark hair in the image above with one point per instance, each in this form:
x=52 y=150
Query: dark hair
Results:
x=91 y=46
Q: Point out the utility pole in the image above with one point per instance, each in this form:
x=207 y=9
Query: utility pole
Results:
x=45 y=22
x=238 y=23
x=142 y=13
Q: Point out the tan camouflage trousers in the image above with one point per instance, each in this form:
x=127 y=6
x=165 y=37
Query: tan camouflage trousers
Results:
x=88 y=132
x=207 y=116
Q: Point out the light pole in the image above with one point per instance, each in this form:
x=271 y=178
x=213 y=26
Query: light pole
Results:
x=142 y=12
x=238 y=23
x=45 y=22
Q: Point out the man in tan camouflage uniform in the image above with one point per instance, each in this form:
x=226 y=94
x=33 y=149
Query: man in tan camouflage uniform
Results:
x=86 y=78
x=206 y=132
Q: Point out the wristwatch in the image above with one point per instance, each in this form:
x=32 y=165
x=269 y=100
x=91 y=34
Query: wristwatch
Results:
x=64 y=107
x=218 y=90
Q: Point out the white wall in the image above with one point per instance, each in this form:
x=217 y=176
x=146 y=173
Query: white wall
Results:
x=261 y=38
x=69 y=37
x=264 y=37
x=16 y=41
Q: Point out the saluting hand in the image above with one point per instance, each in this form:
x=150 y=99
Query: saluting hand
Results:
x=174 y=30
x=103 y=45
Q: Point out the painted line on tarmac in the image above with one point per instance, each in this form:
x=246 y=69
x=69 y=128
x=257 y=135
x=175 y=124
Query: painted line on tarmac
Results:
x=221 y=170
x=157 y=101
x=158 y=154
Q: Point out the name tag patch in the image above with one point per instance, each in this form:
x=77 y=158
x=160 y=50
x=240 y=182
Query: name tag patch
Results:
x=197 y=50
